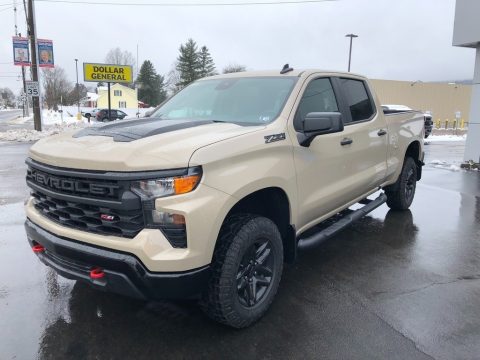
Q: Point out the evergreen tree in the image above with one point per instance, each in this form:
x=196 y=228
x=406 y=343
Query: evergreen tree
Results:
x=188 y=64
x=151 y=86
x=206 y=64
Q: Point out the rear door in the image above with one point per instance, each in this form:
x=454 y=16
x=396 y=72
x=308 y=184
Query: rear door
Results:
x=367 y=129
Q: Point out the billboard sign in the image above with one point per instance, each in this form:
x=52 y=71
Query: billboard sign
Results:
x=45 y=53
x=107 y=73
x=21 y=55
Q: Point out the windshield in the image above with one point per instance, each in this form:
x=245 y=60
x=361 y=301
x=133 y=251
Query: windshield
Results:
x=250 y=100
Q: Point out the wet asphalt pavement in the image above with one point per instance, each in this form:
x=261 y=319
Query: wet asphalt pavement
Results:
x=395 y=285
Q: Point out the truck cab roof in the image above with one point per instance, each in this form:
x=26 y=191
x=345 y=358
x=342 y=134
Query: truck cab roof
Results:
x=276 y=73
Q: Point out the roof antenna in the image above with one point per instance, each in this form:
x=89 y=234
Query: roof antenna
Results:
x=286 y=69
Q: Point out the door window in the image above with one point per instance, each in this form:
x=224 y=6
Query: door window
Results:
x=357 y=98
x=318 y=97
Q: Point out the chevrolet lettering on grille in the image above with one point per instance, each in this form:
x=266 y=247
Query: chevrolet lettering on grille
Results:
x=70 y=185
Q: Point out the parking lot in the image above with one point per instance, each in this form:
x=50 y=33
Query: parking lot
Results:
x=395 y=285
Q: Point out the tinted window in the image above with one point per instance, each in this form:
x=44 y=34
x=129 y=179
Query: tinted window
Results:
x=318 y=97
x=357 y=99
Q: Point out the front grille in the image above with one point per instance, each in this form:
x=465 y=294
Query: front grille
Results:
x=96 y=202
x=86 y=217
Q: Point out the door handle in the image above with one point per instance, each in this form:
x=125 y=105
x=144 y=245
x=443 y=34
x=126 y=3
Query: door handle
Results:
x=382 y=132
x=346 y=141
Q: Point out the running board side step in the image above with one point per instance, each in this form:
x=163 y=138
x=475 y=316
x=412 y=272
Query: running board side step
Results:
x=319 y=237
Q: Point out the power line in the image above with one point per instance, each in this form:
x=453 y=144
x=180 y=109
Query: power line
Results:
x=285 y=2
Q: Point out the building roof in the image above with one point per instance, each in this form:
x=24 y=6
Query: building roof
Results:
x=92 y=96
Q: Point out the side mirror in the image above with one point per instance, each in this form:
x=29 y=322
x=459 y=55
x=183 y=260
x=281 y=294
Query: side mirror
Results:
x=319 y=123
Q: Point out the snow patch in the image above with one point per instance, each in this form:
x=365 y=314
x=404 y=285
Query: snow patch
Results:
x=56 y=122
x=27 y=135
x=20 y=120
x=443 y=138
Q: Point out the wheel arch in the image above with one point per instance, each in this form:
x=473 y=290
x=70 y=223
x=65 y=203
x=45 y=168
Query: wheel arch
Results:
x=414 y=150
x=274 y=204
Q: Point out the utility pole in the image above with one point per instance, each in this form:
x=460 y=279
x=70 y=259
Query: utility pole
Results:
x=351 y=36
x=25 y=102
x=78 y=90
x=37 y=119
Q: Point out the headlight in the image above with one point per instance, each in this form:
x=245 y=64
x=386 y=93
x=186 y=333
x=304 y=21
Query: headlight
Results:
x=156 y=188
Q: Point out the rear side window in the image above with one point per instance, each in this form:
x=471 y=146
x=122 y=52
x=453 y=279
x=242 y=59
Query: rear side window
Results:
x=318 y=97
x=358 y=101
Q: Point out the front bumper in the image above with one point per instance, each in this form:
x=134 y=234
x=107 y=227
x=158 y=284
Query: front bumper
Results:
x=124 y=273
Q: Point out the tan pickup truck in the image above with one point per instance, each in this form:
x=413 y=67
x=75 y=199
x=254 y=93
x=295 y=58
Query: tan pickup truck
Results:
x=210 y=195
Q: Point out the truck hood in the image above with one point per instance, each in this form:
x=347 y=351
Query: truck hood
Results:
x=136 y=145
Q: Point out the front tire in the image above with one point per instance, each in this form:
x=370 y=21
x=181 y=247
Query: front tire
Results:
x=246 y=270
x=400 y=195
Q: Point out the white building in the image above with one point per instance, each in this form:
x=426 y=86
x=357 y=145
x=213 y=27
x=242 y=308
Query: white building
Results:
x=466 y=33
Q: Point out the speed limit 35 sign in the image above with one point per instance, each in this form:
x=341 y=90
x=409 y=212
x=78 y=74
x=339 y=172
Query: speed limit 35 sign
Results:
x=33 y=88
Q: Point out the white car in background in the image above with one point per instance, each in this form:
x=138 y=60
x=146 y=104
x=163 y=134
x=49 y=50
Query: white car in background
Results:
x=90 y=113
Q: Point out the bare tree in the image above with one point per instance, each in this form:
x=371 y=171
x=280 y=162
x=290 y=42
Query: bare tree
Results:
x=7 y=97
x=118 y=56
x=233 y=68
x=173 y=80
x=55 y=86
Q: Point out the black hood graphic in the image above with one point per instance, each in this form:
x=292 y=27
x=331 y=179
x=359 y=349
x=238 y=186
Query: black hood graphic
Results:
x=130 y=130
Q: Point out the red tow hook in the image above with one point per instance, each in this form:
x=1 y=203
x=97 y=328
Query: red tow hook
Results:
x=96 y=273
x=38 y=248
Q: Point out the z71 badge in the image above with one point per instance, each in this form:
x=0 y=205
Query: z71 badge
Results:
x=275 y=137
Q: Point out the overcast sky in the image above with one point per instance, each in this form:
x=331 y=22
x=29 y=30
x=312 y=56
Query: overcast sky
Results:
x=401 y=40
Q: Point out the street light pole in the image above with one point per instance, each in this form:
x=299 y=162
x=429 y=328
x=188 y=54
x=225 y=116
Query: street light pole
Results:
x=351 y=36
x=78 y=92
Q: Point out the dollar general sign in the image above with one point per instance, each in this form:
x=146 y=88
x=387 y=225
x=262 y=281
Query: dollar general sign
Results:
x=107 y=73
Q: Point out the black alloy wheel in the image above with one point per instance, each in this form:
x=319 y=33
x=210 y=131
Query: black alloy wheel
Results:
x=255 y=275
x=246 y=270
x=410 y=184
x=400 y=195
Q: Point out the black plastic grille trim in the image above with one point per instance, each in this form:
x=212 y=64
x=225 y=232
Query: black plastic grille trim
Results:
x=125 y=223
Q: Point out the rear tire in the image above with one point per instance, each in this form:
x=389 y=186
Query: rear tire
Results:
x=400 y=195
x=246 y=270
